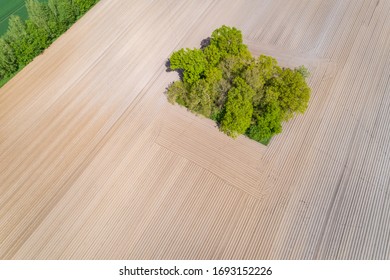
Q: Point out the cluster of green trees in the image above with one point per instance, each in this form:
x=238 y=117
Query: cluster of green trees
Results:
x=243 y=94
x=46 y=21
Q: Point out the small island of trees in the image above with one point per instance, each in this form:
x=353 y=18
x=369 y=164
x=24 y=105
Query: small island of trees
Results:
x=243 y=94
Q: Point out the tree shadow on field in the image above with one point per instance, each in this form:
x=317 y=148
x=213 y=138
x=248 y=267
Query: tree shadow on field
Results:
x=168 y=65
x=168 y=69
x=205 y=43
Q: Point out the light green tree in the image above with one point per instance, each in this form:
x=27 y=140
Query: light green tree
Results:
x=228 y=41
x=238 y=109
x=212 y=55
x=191 y=61
x=294 y=93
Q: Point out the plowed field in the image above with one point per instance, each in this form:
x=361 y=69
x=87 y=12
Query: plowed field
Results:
x=96 y=164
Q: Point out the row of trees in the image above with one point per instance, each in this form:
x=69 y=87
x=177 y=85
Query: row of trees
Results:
x=46 y=21
x=245 y=95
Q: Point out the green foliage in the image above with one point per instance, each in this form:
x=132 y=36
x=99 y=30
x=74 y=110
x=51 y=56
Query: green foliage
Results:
x=39 y=39
x=192 y=62
x=199 y=98
x=213 y=75
x=16 y=29
x=222 y=88
x=39 y=14
x=9 y=8
x=177 y=93
x=66 y=12
x=8 y=62
x=228 y=40
x=231 y=67
x=253 y=76
x=269 y=67
x=303 y=71
x=24 y=40
x=212 y=55
x=243 y=94
x=266 y=124
x=17 y=37
x=62 y=14
x=238 y=109
x=82 y=6
x=293 y=91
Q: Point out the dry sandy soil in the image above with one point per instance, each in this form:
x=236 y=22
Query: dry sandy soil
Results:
x=95 y=164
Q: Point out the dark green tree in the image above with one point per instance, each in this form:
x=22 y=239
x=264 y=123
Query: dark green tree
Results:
x=39 y=14
x=18 y=39
x=8 y=62
x=82 y=6
x=266 y=124
x=62 y=14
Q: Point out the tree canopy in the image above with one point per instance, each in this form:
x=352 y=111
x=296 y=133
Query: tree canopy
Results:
x=228 y=41
x=192 y=62
x=245 y=95
x=238 y=108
